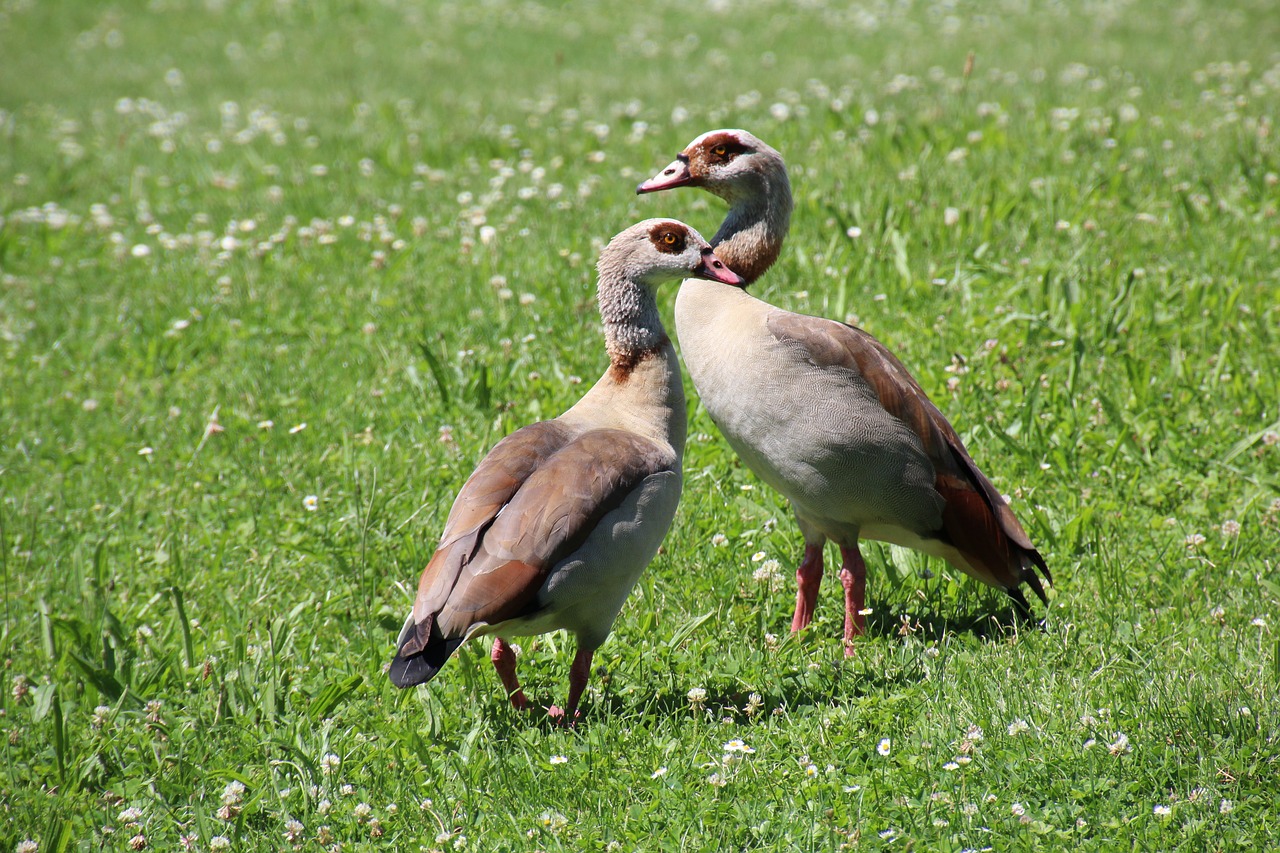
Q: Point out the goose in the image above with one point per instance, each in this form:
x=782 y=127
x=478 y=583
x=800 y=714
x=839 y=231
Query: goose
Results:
x=555 y=525
x=825 y=413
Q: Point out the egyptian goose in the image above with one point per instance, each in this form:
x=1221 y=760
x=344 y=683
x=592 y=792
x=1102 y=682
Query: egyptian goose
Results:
x=822 y=411
x=555 y=525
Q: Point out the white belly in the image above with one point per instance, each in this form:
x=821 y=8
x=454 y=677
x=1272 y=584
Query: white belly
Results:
x=817 y=435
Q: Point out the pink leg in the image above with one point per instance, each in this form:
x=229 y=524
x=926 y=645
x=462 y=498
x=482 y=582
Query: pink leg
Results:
x=579 y=672
x=853 y=577
x=504 y=661
x=808 y=578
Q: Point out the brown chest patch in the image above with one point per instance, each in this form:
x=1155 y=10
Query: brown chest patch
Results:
x=622 y=365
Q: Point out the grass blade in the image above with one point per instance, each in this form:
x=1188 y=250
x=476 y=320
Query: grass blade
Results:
x=332 y=696
x=686 y=630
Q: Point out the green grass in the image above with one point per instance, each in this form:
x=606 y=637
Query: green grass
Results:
x=1101 y=322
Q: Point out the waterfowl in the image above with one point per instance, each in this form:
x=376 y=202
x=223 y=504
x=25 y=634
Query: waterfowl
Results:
x=555 y=525
x=825 y=413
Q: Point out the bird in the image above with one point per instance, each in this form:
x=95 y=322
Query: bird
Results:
x=823 y=412
x=555 y=525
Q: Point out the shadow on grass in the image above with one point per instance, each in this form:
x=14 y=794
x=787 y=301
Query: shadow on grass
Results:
x=835 y=680
x=786 y=689
x=1001 y=624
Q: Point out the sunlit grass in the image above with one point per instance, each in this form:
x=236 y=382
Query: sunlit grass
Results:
x=274 y=276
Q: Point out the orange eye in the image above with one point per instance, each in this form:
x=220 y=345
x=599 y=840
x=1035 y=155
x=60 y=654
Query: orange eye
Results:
x=669 y=238
x=719 y=150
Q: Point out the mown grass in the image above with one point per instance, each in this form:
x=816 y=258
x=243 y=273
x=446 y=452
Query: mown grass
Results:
x=294 y=228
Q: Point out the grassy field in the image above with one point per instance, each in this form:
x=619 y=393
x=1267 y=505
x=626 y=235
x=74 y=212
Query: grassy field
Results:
x=276 y=275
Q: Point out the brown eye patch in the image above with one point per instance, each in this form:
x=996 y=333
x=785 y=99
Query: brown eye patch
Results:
x=669 y=238
x=722 y=148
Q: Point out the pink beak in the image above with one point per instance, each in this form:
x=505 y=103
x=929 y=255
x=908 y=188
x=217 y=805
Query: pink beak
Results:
x=713 y=269
x=675 y=175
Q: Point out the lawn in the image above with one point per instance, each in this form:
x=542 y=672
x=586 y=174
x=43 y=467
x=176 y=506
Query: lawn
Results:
x=274 y=276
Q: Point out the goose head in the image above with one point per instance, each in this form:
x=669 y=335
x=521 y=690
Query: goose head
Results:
x=732 y=164
x=659 y=250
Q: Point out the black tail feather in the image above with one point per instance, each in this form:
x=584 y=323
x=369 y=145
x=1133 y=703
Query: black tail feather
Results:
x=1032 y=579
x=417 y=662
x=1020 y=601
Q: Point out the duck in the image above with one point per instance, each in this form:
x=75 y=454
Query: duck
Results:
x=825 y=413
x=553 y=528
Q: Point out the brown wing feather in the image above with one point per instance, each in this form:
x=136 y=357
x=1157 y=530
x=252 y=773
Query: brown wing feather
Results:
x=494 y=573
x=489 y=488
x=976 y=519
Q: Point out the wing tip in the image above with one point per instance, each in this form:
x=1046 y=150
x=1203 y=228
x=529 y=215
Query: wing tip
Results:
x=411 y=670
x=420 y=654
x=1032 y=579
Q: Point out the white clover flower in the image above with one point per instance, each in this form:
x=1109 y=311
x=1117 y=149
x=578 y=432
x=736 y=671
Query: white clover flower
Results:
x=1194 y=540
x=1258 y=622
x=1231 y=527
x=362 y=811
x=329 y=763
x=1018 y=809
x=130 y=816
x=1120 y=745
x=219 y=842
x=233 y=793
x=719 y=540
x=1018 y=726
x=293 y=831
x=717 y=781
x=29 y=846
x=1225 y=807
x=697 y=696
